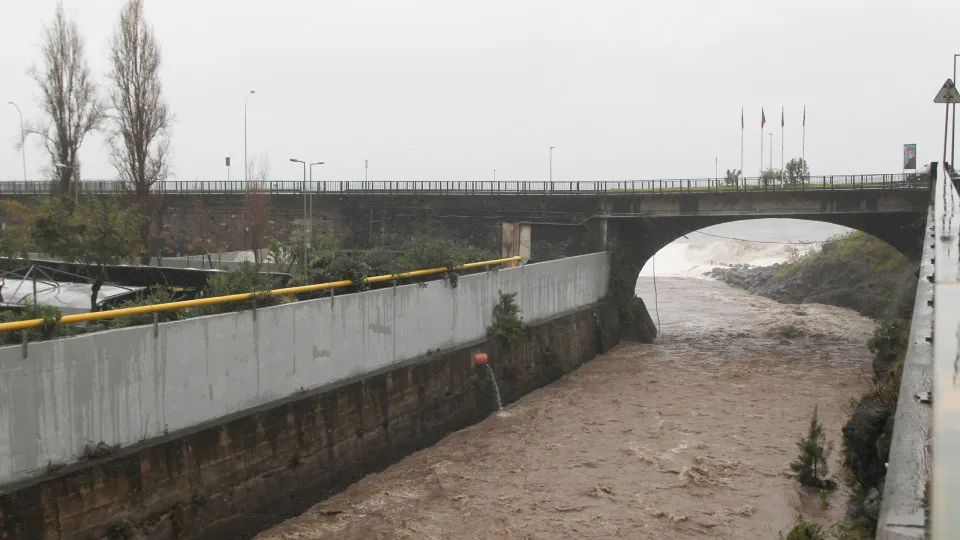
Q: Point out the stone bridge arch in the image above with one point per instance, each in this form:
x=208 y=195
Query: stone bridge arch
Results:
x=632 y=241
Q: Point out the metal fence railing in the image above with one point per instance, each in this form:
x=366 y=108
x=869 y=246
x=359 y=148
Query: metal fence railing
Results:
x=453 y=187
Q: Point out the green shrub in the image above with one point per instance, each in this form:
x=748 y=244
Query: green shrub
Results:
x=246 y=279
x=50 y=329
x=806 y=530
x=811 y=464
x=507 y=324
x=158 y=296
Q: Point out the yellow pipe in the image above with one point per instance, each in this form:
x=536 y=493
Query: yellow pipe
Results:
x=213 y=300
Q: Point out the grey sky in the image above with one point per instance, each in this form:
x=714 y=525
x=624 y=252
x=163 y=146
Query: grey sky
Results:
x=444 y=90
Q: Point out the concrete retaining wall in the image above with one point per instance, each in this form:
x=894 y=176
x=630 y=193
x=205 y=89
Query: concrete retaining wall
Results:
x=231 y=478
x=124 y=386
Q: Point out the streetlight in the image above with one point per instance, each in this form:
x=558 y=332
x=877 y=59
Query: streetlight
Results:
x=953 y=129
x=246 y=164
x=305 y=256
x=551 y=166
x=23 y=145
x=74 y=181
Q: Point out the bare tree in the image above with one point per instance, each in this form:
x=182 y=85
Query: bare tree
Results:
x=68 y=98
x=256 y=204
x=139 y=118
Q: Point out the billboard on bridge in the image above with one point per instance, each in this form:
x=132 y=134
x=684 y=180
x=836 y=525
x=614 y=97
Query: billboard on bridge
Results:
x=910 y=157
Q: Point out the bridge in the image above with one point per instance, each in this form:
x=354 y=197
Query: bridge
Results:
x=518 y=216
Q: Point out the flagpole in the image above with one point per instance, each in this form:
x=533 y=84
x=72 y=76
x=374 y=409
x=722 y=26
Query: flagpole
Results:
x=803 y=148
x=781 y=139
x=762 y=122
x=741 y=143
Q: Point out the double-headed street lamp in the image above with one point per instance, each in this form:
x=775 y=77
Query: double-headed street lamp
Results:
x=23 y=141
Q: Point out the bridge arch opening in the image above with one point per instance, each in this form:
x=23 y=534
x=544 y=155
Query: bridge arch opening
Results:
x=691 y=260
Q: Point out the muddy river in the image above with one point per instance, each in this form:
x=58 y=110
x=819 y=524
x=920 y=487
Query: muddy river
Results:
x=686 y=438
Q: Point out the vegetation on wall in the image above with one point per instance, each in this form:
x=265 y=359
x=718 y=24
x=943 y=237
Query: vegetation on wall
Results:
x=507 y=326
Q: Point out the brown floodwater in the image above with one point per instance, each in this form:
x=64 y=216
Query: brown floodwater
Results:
x=690 y=437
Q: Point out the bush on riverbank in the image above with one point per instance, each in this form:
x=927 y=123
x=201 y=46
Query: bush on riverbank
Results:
x=856 y=271
x=866 y=436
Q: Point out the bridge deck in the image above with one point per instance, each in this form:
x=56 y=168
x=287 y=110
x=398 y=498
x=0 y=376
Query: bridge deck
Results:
x=488 y=188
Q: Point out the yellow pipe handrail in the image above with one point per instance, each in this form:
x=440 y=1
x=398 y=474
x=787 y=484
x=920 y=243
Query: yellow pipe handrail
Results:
x=213 y=300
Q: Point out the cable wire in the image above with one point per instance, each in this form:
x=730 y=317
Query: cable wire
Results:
x=762 y=241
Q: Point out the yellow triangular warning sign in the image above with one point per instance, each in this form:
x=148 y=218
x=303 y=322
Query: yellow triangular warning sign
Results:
x=947 y=94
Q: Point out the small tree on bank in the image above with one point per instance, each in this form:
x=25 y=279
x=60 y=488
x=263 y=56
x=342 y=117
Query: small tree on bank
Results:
x=796 y=172
x=95 y=232
x=811 y=464
x=68 y=98
x=771 y=176
x=732 y=177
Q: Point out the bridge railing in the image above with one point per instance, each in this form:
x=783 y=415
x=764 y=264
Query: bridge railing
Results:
x=500 y=187
x=945 y=519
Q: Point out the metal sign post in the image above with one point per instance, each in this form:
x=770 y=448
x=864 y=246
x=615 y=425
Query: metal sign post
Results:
x=948 y=94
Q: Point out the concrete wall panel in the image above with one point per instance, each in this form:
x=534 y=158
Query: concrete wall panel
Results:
x=124 y=386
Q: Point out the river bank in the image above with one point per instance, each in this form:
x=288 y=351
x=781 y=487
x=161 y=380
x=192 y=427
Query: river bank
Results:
x=855 y=271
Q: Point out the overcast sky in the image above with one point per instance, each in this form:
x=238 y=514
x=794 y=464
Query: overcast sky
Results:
x=450 y=90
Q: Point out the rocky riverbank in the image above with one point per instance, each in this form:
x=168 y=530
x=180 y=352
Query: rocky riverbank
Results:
x=855 y=271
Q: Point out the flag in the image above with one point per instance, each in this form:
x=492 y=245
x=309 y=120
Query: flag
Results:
x=741 y=118
x=804 y=116
x=763 y=118
x=781 y=117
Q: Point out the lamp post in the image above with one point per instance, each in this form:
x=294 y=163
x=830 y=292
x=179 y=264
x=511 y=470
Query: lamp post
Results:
x=23 y=139
x=494 y=176
x=305 y=256
x=246 y=164
x=551 y=167
x=953 y=130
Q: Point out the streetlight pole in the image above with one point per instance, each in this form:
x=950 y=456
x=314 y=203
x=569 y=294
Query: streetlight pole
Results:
x=246 y=164
x=771 y=150
x=305 y=257
x=953 y=130
x=23 y=139
x=551 y=167
x=494 y=176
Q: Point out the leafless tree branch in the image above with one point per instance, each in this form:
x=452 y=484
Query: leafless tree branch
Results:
x=256 y=204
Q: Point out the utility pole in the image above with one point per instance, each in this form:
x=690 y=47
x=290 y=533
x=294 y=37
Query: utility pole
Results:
x=246 y=162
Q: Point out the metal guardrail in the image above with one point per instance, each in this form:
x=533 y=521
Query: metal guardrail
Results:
x=213 y=300
x=278 y=187
x=945 y=492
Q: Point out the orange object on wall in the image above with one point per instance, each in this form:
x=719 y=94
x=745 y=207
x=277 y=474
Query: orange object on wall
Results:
x=479 y=358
